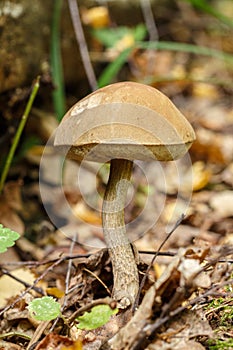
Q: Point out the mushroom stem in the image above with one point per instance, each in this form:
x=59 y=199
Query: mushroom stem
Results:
x=125 y=273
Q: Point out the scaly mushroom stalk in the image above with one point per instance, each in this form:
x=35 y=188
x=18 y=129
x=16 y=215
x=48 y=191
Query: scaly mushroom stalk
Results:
x=125 y=273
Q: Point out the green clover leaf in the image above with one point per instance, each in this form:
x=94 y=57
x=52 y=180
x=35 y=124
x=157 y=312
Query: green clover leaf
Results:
x=7 y=238
x=44 y=309
x=97 y=317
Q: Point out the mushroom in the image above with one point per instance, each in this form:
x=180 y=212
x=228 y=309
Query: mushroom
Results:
x=121 y=123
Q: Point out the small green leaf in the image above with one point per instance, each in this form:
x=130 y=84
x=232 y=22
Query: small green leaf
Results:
x=110 y=36
x=97 y=317
x=7 y=238
x=140 y=32
x=44 y=309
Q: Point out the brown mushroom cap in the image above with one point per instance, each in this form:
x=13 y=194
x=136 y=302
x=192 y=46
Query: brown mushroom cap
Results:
x=125 y=120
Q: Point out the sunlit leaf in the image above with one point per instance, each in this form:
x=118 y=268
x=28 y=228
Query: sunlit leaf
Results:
x=44 y=309
x=110 y=36
x=201 y=176
x=96 y=17
x=7 y=238
x=97 y=317
x=54 y=291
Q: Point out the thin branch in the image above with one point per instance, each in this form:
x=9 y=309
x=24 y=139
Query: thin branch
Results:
x=27 y=290
x=98 y=279
x=37 y=334
x=153 y=260
x=153 y=252
x=25 y=284
x=67 y=281
x=149 y=20
x=32 y=263
x=68 y=274
x=59 y=98
x=81 y=310
x=18 y=133
x=152 y=31
x=79 y=34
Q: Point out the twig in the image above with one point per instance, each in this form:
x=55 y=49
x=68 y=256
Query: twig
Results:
x=67 y=281
x=15 y=334
x=19 y=132
x=152 y=31
x=32 y=263
x=56 y=62
x=37 y=334
x=100 y=281
x=153 y=252
x=30 y=287
x=78 y=29
x=84 y=308
x=25 y=284
x=135 y=305
x=149 y=20
x=68 y=274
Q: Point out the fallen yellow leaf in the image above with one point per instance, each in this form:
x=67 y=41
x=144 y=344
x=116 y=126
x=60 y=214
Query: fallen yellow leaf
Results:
x=81 y=211
x=96 y=17
x=77 y=345
x=200 y=175
x=54 y=291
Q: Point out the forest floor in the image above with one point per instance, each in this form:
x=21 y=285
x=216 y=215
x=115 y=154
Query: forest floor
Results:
x=180 y=214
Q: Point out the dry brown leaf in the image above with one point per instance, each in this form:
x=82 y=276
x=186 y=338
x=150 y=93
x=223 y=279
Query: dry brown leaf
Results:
x=9 y=346
x=10 y=288
x=222 y=203
x=185 y=180
x=227 y=175
x=227 y=239
x=176 y=345
x=212 y=147
x=181 y=330
x=10 y=255
x=81 y=211
x=54 y=341
x=191 y=272
x=179 y=280
x=182 y=276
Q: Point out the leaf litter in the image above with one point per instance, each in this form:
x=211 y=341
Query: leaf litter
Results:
x=186 y=301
